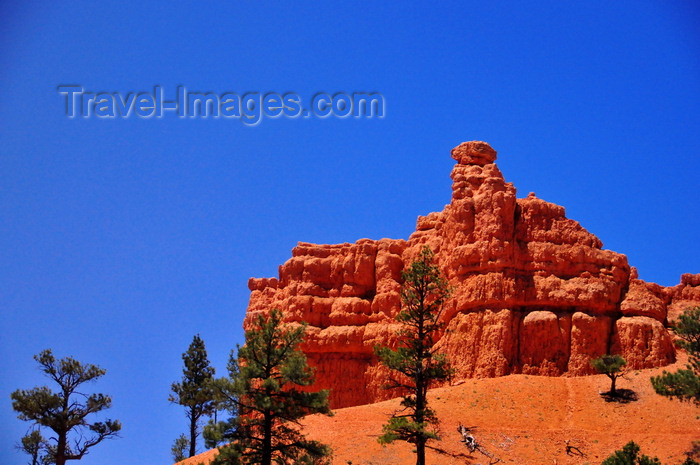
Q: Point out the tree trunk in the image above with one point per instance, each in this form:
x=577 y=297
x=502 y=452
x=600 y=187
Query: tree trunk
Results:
x=420 y=451
x=267 y=440
x=61 y=449
x=420 y=418
x=193 y=434
x=420 y=389
x=612 y=386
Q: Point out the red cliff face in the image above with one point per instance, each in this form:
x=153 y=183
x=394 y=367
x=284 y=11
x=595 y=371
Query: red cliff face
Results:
x=534 y=292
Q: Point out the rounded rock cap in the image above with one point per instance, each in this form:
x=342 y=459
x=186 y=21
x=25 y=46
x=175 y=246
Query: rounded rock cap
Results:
x=474 y=152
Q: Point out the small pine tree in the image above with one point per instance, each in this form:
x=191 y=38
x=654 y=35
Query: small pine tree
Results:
x=422 y=295
x=629 y=455
x=213 y=433
x=610 y=366
x=263 y=394
x=684 y=384
x=179 y=448
x=36 y=446
x=196 y=391
x=65 y=412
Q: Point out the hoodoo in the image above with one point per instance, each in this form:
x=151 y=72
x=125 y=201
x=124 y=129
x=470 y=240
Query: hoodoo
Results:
x=533 y=291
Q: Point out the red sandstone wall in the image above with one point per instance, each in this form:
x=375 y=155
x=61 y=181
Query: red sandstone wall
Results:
x=534 y=292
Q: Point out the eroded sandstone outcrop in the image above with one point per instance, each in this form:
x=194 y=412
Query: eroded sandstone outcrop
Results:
x=534 y=292
x=684 y=295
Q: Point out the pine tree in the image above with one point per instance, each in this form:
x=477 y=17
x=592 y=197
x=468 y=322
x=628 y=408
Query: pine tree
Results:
x=64 y=412
x=416 y=360
x=684 y=384
x=180 y=445
x=196 y=390
x=267 y=393
x=629 y=455
x=36 y=446
x=610 y=366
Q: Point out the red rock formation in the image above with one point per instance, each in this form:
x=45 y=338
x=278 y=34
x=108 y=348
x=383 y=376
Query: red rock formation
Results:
x=643 y=341
x=645 y=299
x=685 y=295
x=534 y=292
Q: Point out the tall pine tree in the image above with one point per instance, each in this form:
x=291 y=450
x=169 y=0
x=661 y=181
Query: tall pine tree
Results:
x=267 y=393
x=416 y=361
x=196 y=390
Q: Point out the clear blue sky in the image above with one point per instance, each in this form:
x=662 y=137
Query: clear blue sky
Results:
x=122 y=238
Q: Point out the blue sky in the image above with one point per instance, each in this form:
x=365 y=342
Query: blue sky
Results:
x=122 y=238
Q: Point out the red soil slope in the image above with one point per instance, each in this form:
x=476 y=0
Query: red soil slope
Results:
x=524 y=420
x=521 y=419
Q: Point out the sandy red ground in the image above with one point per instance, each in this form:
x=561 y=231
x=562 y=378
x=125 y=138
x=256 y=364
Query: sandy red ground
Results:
x=521 y=420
